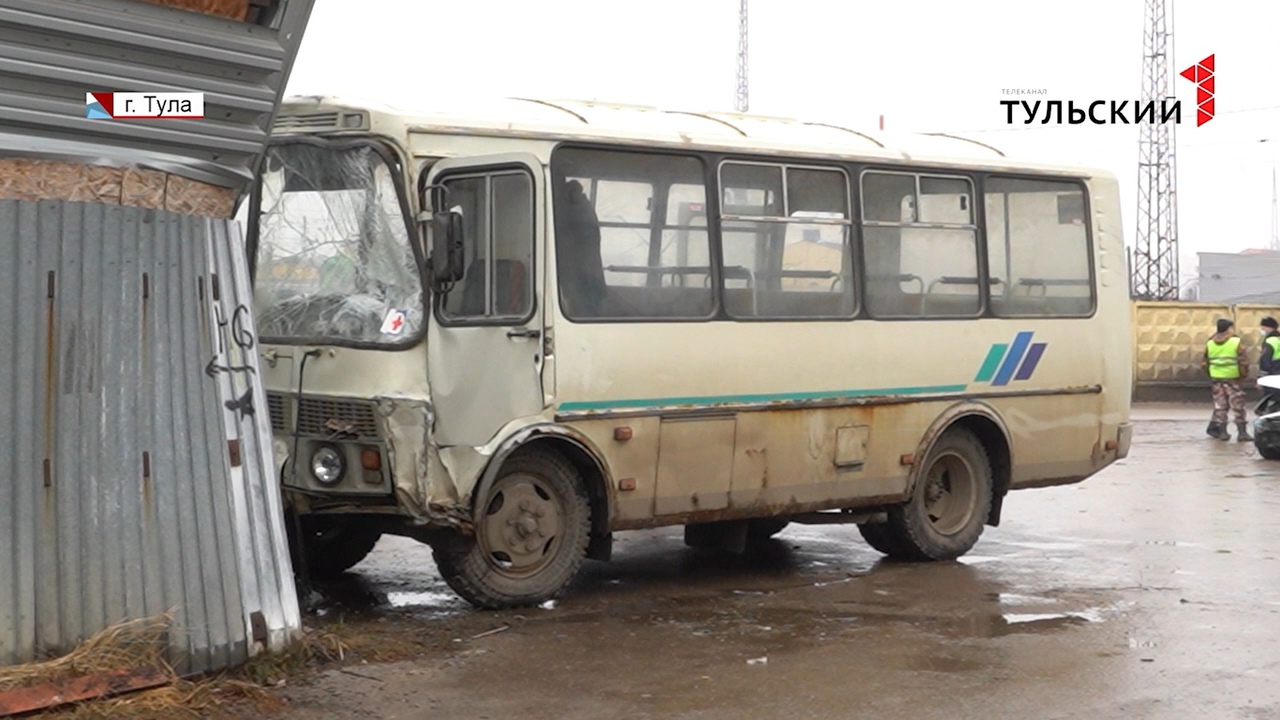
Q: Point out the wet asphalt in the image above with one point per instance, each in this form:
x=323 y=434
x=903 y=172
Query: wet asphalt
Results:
x=1151 y=590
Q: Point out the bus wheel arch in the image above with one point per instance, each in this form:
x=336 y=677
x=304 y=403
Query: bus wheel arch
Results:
x=582 y=454
x=986 y=424
x=993 y=436
x=531 y=534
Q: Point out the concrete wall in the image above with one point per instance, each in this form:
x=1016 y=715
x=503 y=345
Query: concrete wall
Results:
x=1168 y=345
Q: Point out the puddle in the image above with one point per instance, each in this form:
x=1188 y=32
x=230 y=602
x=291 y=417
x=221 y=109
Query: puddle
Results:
x=1091 y=615
x=976 y=559
x=1014 y=599
x=1045 y=545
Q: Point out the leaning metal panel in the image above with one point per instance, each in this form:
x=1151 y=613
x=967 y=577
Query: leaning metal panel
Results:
x=136 y=478
x=53 y=52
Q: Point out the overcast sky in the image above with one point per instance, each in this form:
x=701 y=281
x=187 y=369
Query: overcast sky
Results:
x=926 y=65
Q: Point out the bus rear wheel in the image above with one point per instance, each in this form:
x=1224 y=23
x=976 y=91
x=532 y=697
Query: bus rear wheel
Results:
x=530 y=540
x=948 y=507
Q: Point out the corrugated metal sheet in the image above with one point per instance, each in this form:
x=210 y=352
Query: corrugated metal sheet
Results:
x=1169 y=338
x=266 y=575
x=122 y=495
x=52 y=52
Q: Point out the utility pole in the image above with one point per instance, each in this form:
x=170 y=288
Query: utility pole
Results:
x=741 y=104
x=1154 y=258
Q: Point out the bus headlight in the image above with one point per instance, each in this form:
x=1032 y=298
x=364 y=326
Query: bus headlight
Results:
x=327 y=465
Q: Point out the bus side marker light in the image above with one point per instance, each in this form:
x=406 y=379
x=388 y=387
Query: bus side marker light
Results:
x=370 y=458
x=622 y=434
x=908 y=459
x=627 y=484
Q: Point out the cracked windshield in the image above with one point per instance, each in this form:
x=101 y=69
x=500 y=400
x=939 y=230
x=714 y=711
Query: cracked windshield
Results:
x=334 y=260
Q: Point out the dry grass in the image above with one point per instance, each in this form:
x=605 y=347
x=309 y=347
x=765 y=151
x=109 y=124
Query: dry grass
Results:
x=129 y=645
x=235 y=693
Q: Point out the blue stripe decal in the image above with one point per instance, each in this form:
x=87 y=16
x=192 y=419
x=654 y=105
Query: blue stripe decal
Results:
x=1016 y=351
x=1033 y=359
x=746 y=399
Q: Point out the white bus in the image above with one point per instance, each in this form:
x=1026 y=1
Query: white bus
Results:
x=515 y=331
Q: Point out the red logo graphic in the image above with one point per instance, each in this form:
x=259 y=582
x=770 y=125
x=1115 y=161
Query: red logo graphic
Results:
x=1202 y=75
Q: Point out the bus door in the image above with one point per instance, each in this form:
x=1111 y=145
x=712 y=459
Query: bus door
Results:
x=485 y=342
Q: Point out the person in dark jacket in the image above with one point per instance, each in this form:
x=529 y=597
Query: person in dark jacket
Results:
x=578 y=251
x=1269 y=361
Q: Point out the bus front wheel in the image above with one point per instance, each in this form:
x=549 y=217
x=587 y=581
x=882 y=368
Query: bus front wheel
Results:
x=948 y=507
x=530 y=539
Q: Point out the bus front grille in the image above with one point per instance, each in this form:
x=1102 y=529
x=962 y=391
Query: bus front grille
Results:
x=322 y=417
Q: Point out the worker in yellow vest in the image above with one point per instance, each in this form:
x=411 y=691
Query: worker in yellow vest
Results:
x=1227 y=365
x=1269 y=363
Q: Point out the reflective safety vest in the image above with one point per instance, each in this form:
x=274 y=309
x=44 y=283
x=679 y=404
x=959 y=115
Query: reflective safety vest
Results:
x=1274 y=342
x=1224 y=362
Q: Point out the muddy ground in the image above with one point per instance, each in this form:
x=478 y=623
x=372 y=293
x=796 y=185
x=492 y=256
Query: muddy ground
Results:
x=1150 y=591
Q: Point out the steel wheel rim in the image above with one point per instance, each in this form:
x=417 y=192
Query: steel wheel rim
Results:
x=523 y=526
x=950 y=493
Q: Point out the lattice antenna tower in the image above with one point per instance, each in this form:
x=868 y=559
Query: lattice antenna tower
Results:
x=741 y=103
x=1154 y=259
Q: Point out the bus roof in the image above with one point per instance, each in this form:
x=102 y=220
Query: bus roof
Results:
x=611 y=122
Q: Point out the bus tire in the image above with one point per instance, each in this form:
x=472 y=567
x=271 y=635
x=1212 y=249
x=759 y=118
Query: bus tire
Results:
x=879 y=538
x=949 y=504
x=761 y=529
x=333 y=544
x=530 y=540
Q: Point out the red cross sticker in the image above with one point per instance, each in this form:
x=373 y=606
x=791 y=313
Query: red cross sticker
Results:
x=393 y=324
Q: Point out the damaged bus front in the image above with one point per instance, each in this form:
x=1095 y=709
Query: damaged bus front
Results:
x=340 y=306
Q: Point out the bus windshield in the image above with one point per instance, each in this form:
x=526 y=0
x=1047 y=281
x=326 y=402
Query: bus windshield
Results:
x=334 y=262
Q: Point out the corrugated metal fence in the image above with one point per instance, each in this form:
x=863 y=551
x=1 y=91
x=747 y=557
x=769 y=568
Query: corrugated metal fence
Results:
x=133 y=463
x=1169 y=339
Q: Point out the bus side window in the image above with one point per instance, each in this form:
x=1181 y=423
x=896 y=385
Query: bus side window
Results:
x=1038 y=238
x=784 y=237
x=632 y=244
x=920 y=245
x=497 y=211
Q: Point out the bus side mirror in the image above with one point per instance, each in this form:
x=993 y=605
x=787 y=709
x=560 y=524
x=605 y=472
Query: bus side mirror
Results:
x=447 y=256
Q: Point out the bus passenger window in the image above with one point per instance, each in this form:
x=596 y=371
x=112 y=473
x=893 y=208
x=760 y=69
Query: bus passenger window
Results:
x=920 y=246
x=631 y=236
x=1037 y=237
x=785 y=242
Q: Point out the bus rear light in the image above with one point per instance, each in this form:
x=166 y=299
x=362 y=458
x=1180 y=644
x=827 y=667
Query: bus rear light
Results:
x=1112 y=445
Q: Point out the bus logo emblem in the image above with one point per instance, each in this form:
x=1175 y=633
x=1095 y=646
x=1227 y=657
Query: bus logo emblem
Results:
x=1011 y=361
